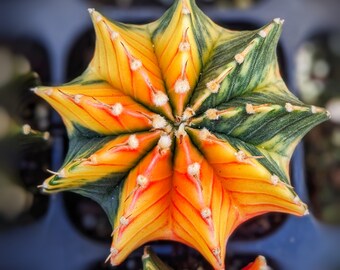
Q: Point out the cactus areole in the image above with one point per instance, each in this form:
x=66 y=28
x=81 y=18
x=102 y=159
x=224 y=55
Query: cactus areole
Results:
x=181 y=130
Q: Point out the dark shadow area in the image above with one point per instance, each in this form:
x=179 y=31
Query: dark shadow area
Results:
x=87 y=217
x=241 y=4
x=258 y=227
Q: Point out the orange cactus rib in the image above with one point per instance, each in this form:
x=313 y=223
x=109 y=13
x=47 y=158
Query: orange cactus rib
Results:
x=203 y=220
x=181 y=130
x=143 y=214
x=201 y=204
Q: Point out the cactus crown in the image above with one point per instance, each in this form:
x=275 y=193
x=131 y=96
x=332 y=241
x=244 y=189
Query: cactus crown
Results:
x=181 y=129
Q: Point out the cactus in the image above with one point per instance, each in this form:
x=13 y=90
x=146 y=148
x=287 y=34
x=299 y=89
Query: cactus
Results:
x=181 y=130
x=152 y=262
x=259 y=263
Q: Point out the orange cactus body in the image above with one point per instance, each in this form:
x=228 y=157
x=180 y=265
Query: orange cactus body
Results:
x=181 y=130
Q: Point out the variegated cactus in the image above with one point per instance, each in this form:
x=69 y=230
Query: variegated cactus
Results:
x=152 y=262
x=181 y=130
x=259 y=263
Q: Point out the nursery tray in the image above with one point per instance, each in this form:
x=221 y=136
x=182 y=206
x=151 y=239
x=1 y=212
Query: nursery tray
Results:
x=73 y=233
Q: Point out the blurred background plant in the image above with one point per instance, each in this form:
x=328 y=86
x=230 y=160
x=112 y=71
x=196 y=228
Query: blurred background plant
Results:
x=23 y=149
x=318 y=78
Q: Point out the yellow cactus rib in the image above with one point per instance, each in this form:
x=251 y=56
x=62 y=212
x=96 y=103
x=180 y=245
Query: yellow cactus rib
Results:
x=252 y=193
x=249 y=182
x=180 y=55
x=125 y=58
x=115 y=157
x=117 y=112
x=181 y=130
